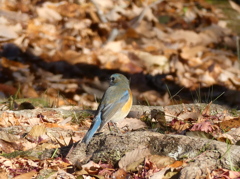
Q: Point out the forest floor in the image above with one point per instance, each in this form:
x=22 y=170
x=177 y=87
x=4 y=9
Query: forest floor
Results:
x=56 y=57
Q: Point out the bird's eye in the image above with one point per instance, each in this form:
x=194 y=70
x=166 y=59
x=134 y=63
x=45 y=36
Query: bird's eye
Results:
x=112 y=78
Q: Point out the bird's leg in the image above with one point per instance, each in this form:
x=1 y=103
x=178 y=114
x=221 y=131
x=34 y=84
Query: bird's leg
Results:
x=109 y=127
x=115 y=126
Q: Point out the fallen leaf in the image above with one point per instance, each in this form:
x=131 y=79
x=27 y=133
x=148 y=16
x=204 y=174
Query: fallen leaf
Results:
x=4 y=175
x=161 y=161
x=8 y=137
x=206 y=110
x=189 y=115
x=233 y=136
x=48 y=13
x=207 y=79
x=176 y=164
x=115 y=46
x=193 y=53
x=28 y=175
x=120 y=174
x=154 y=63
x=229 y=124
x=131 y=124
x=179 y=125
x=7 y=33
x=160 y=174
x=224 y=173
x=13 y=65
x=191 y=38
x=205 y=126
x=91 y=167
x=234 y=5
x=133 y=158
x=227 y=138
x=37 y=131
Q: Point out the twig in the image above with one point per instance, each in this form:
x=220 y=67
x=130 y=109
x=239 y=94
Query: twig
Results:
x=238 y=48
x=114 y=33
x=99 y=12
x=134 y=22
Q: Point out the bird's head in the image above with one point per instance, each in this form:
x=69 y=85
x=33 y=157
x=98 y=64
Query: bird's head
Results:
x=117 y=79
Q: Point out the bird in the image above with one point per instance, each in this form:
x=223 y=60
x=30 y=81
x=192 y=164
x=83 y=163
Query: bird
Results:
x=114 y=106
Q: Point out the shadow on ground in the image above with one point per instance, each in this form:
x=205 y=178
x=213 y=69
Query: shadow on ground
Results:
x=139 y=82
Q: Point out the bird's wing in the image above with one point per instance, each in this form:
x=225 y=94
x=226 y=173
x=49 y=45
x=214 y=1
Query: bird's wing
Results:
x=112 y=104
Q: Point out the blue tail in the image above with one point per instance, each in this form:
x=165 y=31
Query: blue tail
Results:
x=93 y=129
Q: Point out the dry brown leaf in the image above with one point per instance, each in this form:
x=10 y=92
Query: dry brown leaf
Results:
x=114 y=14
x=227 y=138
x=28 y=175
x=6 y=162
x=65 y=141
x=193 y=53
x=206 y=110
x=75 y=24
x=207 y=79
x=26 y=145
x=7 y=147
x=176 y=164
x=91 y=167
x=46 y=146
x=8 y=137
x=134 y=11
x=229 y=124
x=120 y=174
x=48 y=13
x=234 y=5
x=190 y=15
x=60 y=126
x=8 y=119
x=154 y=63
x=131 y=124
x=189 y=115
x=224 y=173
x=106 y=4
x=7 y=32
x=160 y=174
x=235 y=133
x=179 y=125
x=3 y=175
x=211 y=34
x=133 y=158
x=37 y=131
x=13 y=65
x=115 y=46
x=189 y=37
x=73 y=57
x=131 y=33
x=161 y=161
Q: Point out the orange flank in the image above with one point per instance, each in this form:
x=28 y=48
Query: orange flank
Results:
x=126 y=108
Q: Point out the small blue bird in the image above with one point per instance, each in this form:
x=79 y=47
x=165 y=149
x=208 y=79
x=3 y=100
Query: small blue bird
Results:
x=115 y=105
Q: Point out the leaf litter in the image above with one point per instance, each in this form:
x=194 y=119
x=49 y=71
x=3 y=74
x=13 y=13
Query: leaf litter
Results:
x=191 y=44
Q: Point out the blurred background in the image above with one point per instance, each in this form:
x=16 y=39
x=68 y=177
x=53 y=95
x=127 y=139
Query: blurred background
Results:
x=62 y=52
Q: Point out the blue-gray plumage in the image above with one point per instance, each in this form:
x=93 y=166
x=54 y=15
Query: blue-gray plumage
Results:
x=115 y=105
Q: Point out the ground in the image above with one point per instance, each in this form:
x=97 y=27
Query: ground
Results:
x=182 y=59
